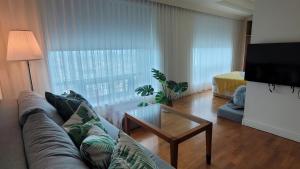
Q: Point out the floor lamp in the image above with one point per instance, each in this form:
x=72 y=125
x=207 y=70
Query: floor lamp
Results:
x=23 y=46
x=1 y=97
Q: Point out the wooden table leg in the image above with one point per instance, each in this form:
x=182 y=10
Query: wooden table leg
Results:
x=208 y=144
x=126 y=125
x=174 y=154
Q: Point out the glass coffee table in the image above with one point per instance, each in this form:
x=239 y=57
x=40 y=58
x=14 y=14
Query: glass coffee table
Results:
x=171 y=125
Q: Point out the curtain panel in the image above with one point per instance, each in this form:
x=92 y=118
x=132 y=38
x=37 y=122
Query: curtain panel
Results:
x=105 y=49
x=196 y=46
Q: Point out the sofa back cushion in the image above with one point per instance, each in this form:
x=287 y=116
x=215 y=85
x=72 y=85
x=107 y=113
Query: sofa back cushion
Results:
x=48 y=146
x=30 y=102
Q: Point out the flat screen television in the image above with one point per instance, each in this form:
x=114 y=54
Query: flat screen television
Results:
x=273 y=63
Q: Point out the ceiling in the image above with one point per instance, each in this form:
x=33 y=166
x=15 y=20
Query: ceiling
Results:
x=236 y=9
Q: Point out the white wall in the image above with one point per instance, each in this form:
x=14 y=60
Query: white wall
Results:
x=278 y=112
x=14 y=76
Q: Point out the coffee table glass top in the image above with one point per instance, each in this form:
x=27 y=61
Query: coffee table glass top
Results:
x=166 y=119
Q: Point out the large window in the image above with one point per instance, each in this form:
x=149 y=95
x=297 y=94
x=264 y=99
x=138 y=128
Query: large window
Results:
x=105 y=49
x=104 y=76
x=102 y=49
x=214 y=48
x=208 y=62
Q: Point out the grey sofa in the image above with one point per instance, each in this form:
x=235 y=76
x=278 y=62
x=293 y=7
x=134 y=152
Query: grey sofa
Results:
x=31 y=137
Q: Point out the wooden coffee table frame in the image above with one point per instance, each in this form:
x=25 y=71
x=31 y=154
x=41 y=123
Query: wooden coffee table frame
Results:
x=174 y=141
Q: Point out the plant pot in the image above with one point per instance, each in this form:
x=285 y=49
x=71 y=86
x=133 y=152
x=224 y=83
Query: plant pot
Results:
x=169 y=103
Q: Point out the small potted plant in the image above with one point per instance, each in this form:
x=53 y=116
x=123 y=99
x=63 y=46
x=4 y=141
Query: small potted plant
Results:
x=169 y=89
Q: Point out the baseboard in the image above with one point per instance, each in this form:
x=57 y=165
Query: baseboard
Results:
x=273 y=130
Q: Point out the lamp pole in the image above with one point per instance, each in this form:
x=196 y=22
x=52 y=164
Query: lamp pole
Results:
x=23 y=46
x=28 y=65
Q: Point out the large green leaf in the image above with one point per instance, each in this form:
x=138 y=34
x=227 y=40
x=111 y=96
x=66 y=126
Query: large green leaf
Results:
x=161 y=98
x=146 y=90
x=180 y=87
x=158 y=75
x=143 y=104
x=171 y=84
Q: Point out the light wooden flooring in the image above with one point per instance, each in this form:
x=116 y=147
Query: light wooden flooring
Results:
x=234 y=146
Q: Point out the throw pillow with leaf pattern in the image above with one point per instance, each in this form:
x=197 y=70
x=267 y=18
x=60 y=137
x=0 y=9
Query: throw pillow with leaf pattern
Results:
x=97 y=148
x=81 y=122
x=73 y=95
x=64 y=106
x=128 y=154
x=82 y=115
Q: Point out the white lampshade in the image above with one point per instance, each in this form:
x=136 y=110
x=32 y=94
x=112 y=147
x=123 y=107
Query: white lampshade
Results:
x=22 y=45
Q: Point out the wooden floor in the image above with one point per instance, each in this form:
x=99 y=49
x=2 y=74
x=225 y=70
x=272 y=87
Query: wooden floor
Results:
x=234 y=146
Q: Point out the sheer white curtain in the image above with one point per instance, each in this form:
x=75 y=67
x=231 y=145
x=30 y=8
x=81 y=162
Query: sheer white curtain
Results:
x=215 y=45
x=197 y=46
x=102 y=49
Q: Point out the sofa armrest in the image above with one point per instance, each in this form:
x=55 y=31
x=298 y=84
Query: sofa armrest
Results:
x=11 y=142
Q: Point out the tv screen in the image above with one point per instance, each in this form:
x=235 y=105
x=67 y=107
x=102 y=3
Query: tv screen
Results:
x=273 y=63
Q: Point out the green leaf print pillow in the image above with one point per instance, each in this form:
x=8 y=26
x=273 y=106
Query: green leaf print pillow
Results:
x=128 y=154
x=81 y=122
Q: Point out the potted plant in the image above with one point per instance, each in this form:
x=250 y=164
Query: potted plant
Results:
x=169 y=88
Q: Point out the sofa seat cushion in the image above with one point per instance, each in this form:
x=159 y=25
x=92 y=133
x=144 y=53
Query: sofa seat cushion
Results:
x=129 y=154
x=48 y=146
